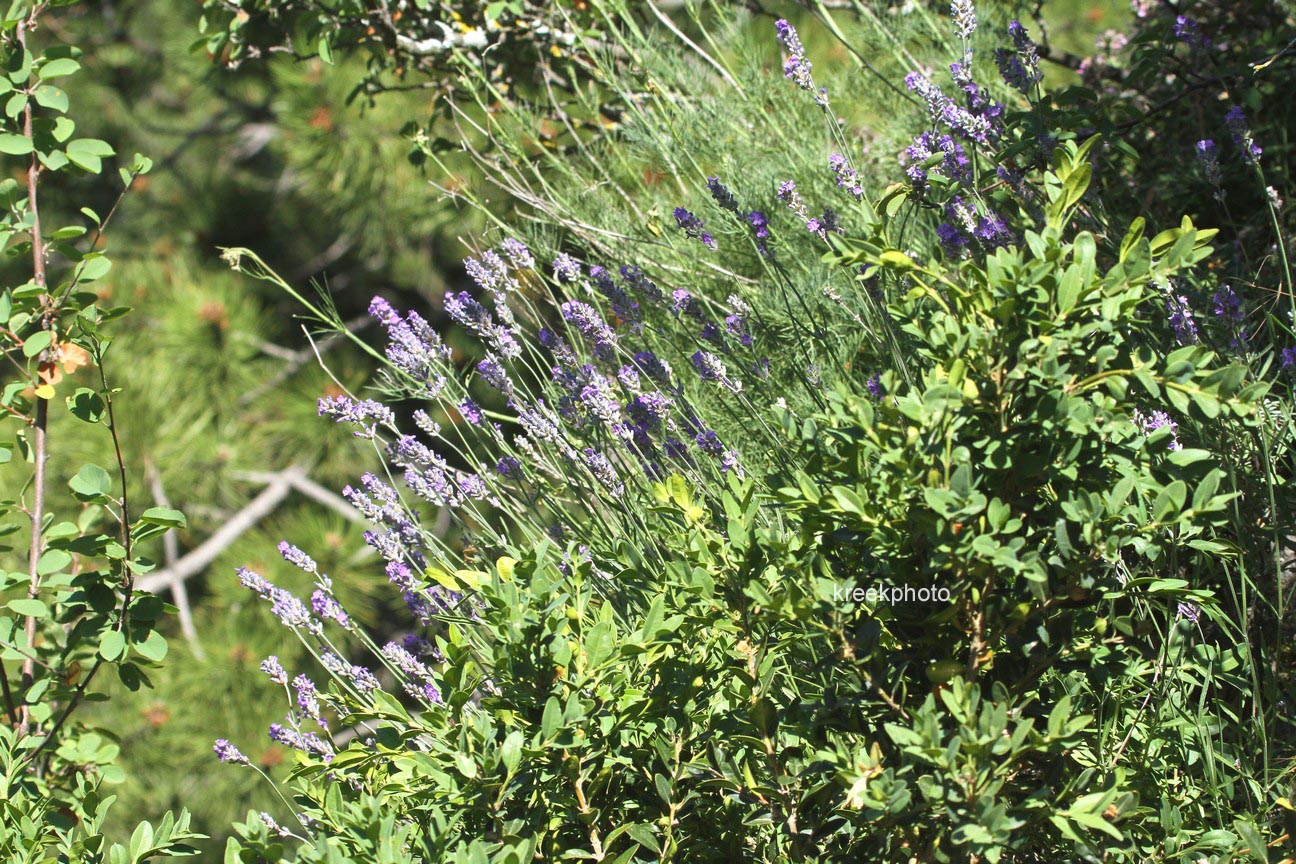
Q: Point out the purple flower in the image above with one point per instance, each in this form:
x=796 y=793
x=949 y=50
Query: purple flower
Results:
x=307 y=697
x=298 y=558
x=1190 y=34
x=730 y=461
x=272 y=668
x=722 y=195
x=327 y=607
x=683 y=302
x=760 y=228
x=1208 y=158
x=736 y=322
x=1188 y=611
x=603 y=472
x=591 y=326
x=655 y=369
x=566 y=268
x=227 y=752
x=993 y=232
x=382 y=312
x=693 y=227
x=1288 y=359
x=416 y=349
x=467 y=312
x=952 y=240
x=963 y=13
x=470 y=411
x=1228 y=308
x=508 y=466
x=1149 y=423
x=797 y=66
x=874 y=386
x=520 y=257
x=1237 y=126
x=712 y=368
x=847 y=177
x=492 y=372
x=1020 y=67
x=1181 y=319
x=367 y=414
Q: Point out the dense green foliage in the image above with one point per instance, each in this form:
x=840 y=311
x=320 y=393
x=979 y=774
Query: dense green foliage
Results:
x=952 y=524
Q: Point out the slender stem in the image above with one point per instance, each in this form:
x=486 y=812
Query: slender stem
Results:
x=40 y=427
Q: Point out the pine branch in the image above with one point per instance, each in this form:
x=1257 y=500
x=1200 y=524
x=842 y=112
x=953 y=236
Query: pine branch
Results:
x=278 y=486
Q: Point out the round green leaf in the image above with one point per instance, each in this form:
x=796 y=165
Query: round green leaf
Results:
x=112 y=644
x=29 y=608
x=91 y=482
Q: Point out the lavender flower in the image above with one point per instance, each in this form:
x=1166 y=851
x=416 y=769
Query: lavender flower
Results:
x=963 y=12
x=603 y=472
x=519 y=256
x=367 y=414
x=760 y=228
x=298 y=558
x=1287 y=357
x=421 y=684
x=1208 y=158
x=712 y=368
x=1149 y=423
x=566 y=268
x=382 y=312
x=416 y=349
x=508 y=466
x=653 y=367
x=327 y=607
x=693 y=227
x=874 y=386
x=797 y=66
x=730 y=462
x=591 y=326
x=847 y=177
x=1181 y=319
x=952 y=241
x=492 y=372
x=307 y=698
x=1228 y=308
x=1020 y=68
x=1237 y=126
x=1188 y=611
x=736 y=322
x=992 y=232
x=788 y=194
x=467 y=312
x=272 y=668
x=470 y=411
x=722 y=195
x=1190 y=34
x=227 y=752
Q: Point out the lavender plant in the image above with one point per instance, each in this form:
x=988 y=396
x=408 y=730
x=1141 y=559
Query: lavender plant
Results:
x=655 y=632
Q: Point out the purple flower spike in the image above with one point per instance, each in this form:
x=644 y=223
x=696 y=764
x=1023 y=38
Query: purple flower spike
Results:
x=797 y=67
x=227 y=752
x=274 y=670
x=693 y=227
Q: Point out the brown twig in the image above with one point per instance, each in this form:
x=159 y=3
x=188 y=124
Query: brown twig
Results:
x=40 y=427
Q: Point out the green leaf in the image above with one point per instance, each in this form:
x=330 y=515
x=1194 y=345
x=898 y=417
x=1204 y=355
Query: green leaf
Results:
x=15 y=145
x=88 y=153
x=58 y=68
x=111 y=645
x=91 y=482
x=154 y=646
x=51 y=97
x=511 y=751
x=29 y=608
x=163 y=516
x=37 y=342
